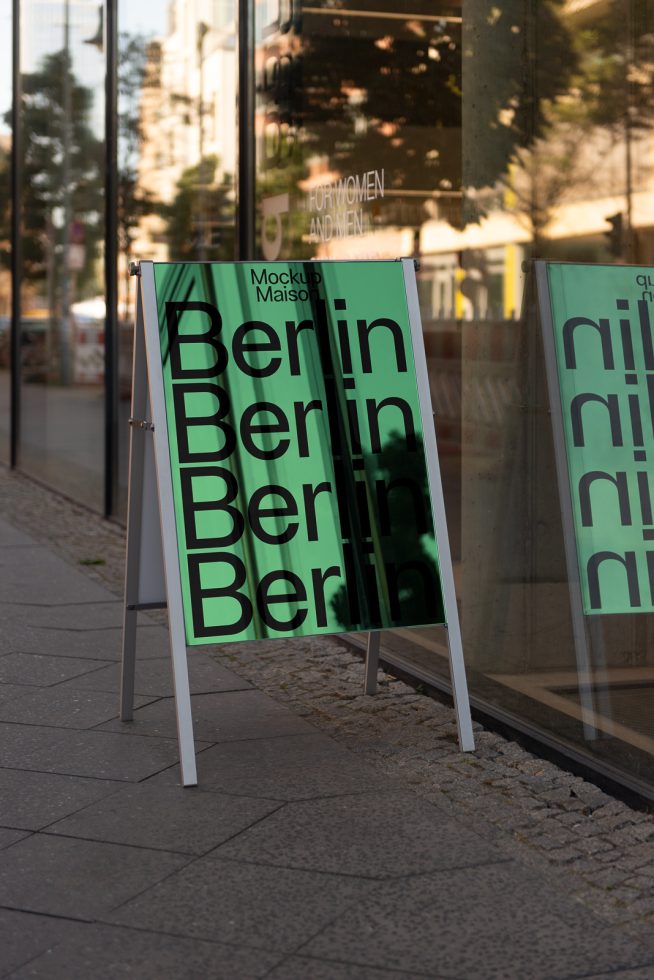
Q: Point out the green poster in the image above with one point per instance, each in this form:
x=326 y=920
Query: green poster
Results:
x=602 y=321
x=299 y=476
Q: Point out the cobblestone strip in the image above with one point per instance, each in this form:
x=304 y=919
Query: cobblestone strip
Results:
x=584 y=841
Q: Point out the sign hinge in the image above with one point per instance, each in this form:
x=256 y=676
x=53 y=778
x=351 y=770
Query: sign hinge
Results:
x=142 y=424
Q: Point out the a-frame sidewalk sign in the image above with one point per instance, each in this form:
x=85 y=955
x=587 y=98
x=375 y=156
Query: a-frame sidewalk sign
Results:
x=284 y=477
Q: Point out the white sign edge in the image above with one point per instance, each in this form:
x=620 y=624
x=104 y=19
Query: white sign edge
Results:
x=168 y=528
x=457 y=664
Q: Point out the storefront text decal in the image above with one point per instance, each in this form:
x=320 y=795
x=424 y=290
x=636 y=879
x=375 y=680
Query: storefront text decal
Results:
x=336 y=208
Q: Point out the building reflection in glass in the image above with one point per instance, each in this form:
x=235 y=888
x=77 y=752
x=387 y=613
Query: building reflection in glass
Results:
x=472 y=136
x=62 y=210
x=5 y=224
x=477 y=138
x=177 y=150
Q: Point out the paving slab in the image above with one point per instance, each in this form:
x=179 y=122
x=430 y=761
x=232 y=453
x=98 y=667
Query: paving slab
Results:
x=224 y=717
x=25 y=936
x=645 y=974
x=14 y=634
x=78 y=879
x=32 y=800
x=296 y=767
x=27 y=633
x=108 y=952
x=342 y=835
x=94 y=644
x=493 y=922
x=64 y=707
x=73 y=615
x=12 y=537
x=9 y=836
x=34 y=575
x=154 y=677
x=40 y=670
x=101 y=755
x=304 y=968
x=247 y=904
x=171 y=818
x=10 y=691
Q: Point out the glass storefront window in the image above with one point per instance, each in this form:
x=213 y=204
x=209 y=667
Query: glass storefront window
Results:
x=62 y=205
x=5 y=223
x=358 y=125
x=476 y=138
x=358 y=146
x=177 y=151
x=557 y=164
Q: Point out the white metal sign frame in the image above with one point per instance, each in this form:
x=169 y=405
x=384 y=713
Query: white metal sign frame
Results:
x=152 y=544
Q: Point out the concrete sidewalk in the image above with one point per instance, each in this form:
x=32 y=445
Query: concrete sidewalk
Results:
x=332 y=836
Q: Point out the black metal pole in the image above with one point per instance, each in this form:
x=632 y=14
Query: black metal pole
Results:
x=111 y=261
x=630 y=61
x=16 y=243
x=245 y=188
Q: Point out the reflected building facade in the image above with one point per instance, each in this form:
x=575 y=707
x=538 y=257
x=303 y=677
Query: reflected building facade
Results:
x=473 y=137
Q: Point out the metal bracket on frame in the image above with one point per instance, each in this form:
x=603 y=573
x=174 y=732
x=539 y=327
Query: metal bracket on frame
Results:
x=142 y=424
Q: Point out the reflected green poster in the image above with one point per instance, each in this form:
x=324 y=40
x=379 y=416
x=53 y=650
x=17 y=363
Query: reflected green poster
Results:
x=299 y=475
x=602 y=324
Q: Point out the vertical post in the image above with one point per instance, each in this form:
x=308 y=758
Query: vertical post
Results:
x=16 y=236
x=246 y=162
x=628 y=132
x=201 y=220
x=65 y=319
x=168 y=528
x=111 y=339
x=372 y=662
x=135 y=504
x=457 y=668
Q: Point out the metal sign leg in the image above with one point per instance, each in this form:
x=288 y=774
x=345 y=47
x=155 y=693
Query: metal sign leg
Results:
x=457 y=668
x=128 y=666
x=182 y=695
x=134 y=511
x=181 y=685
x=460 y=687
x=372 y=663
